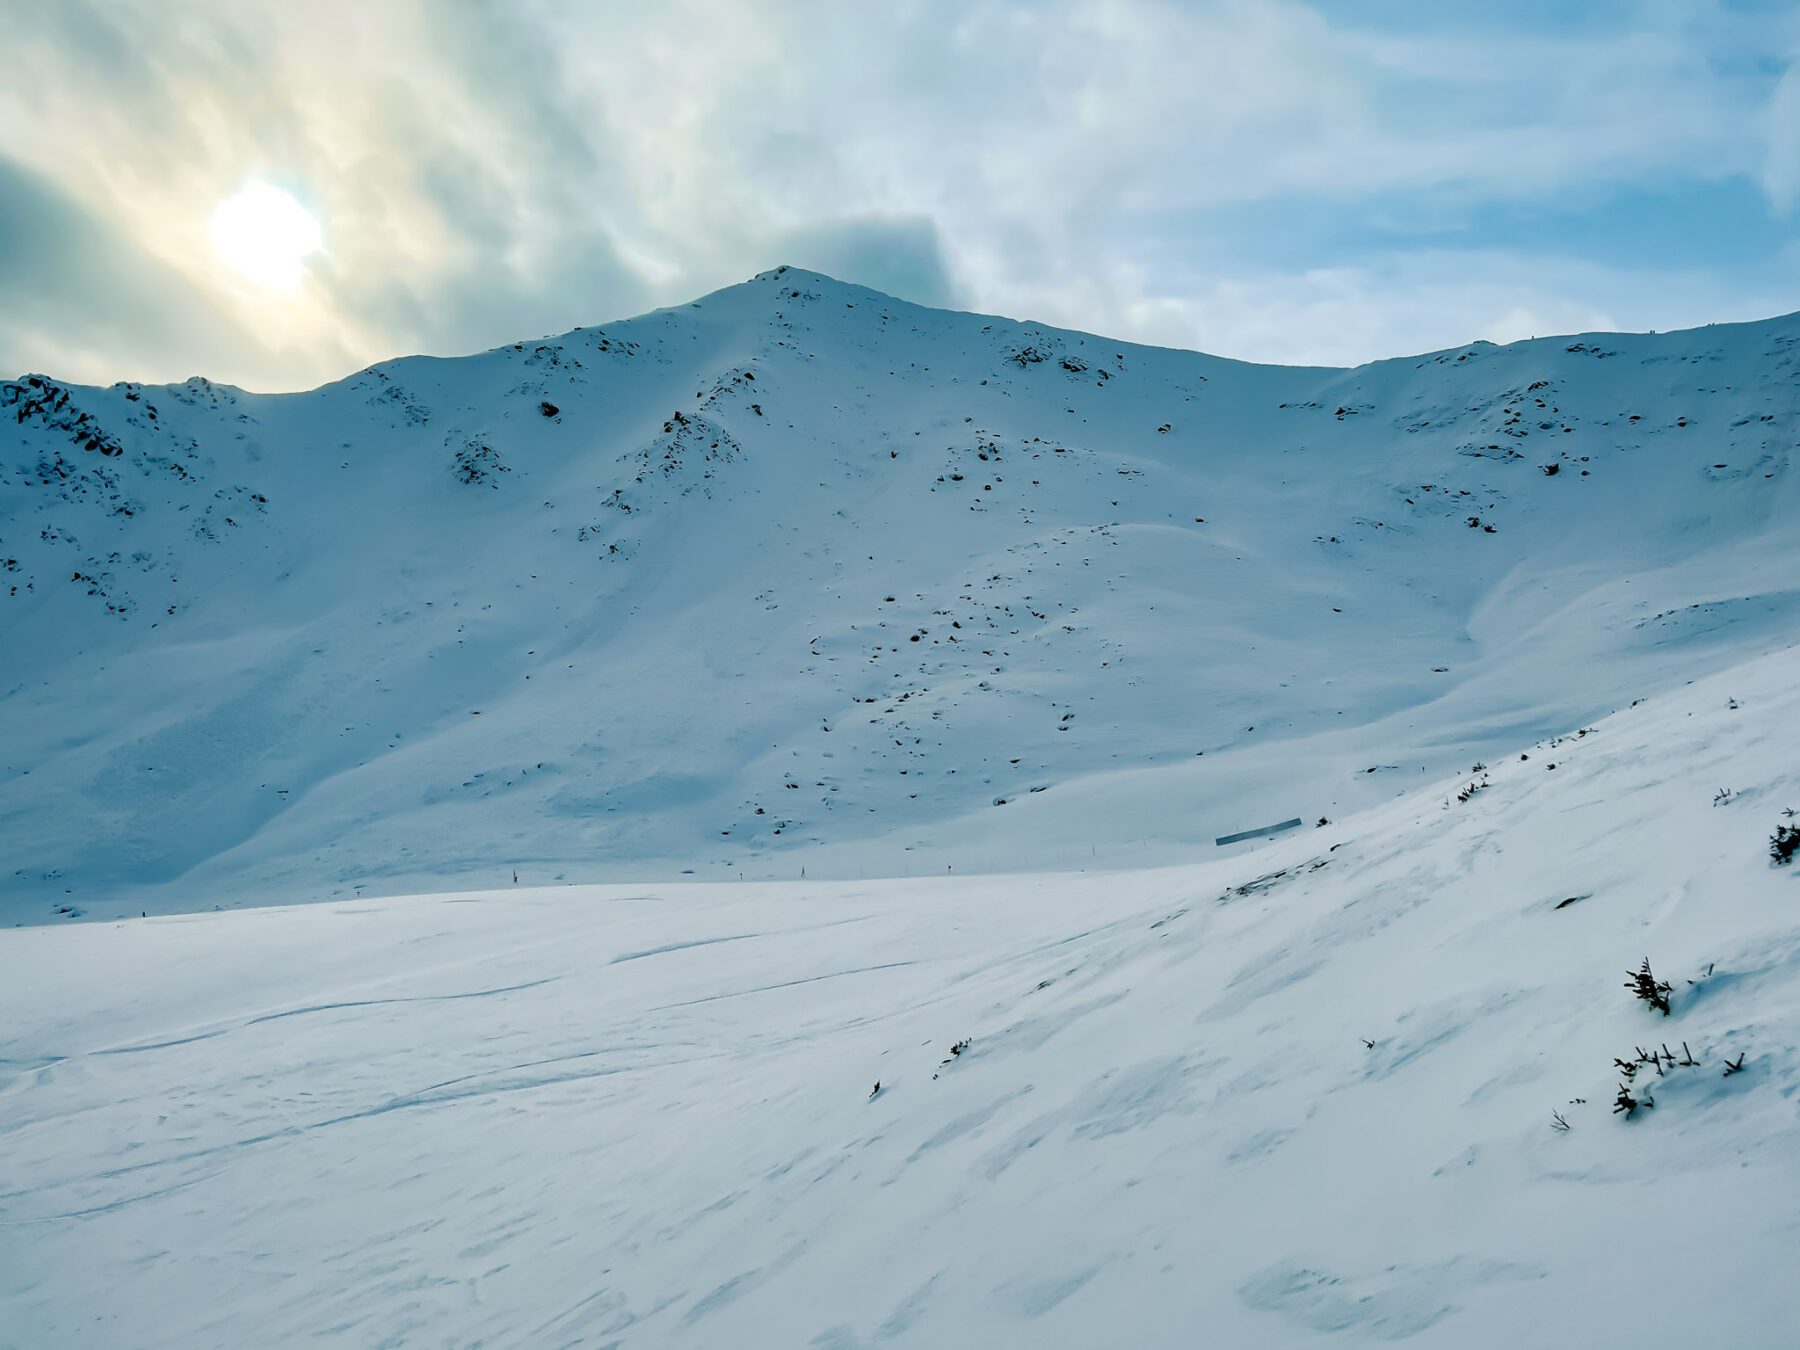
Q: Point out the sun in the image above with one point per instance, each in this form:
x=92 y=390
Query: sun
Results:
x=265 y=235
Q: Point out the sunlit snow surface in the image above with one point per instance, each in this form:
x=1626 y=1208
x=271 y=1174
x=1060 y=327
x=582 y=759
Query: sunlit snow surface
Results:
x=609 y=1116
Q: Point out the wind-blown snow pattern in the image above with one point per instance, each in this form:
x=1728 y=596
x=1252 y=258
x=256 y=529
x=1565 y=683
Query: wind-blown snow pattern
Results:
x=992 y=629
x=803 y=575
x=1302 y=1096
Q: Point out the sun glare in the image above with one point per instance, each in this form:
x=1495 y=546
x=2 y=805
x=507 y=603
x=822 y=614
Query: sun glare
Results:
x=265 y=235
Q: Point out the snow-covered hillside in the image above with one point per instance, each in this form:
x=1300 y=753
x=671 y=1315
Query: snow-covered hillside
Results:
x=1010 y=622
x=800 y=575
x=1303 y=1096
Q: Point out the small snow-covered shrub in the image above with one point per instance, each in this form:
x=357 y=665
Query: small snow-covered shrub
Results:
x=1629 y=1104
x=1784 y=843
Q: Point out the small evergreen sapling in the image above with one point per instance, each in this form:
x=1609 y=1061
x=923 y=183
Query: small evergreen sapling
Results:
x=1784 y=843
x=1646 y=986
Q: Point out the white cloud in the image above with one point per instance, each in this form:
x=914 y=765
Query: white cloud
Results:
x=485 y=171
x=1424 y=300
x=1781 y=172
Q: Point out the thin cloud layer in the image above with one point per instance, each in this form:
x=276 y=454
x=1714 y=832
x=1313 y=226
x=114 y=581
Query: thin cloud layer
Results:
x=1320 y=182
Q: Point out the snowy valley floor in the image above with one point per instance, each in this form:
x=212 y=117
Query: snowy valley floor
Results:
x=642 y=1117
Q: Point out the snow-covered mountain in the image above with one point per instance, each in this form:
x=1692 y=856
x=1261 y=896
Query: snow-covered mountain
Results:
x=1309 y=1097
x=801 y=575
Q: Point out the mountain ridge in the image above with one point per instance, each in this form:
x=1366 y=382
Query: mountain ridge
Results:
x=773 y=274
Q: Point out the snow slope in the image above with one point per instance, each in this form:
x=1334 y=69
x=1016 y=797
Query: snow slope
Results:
x=800 y=575
x=641 y=1117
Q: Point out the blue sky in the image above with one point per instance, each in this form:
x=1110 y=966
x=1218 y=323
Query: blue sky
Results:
x=1277 y=180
